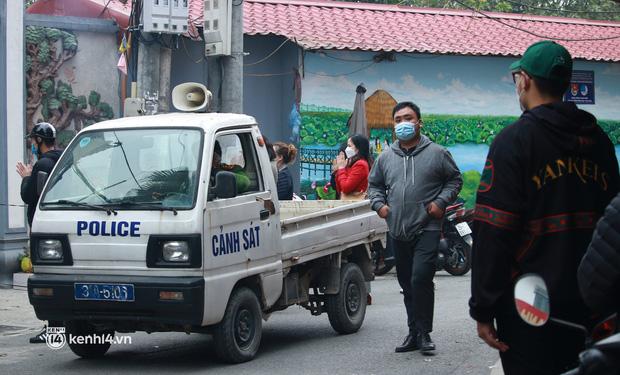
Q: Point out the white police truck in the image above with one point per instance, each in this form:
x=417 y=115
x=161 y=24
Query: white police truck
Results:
x=132 y=233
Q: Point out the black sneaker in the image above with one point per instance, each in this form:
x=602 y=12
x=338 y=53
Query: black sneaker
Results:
x=39 y=338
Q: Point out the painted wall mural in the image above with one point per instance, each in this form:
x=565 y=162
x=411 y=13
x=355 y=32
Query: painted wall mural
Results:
x=465 y=102
x=50 y=80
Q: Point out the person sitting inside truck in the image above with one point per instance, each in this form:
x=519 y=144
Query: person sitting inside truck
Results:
x=243 y=181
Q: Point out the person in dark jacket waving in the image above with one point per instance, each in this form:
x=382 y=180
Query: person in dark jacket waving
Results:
x=285 y=156
x=43 y=140
x=547 y=179
x=43 y=146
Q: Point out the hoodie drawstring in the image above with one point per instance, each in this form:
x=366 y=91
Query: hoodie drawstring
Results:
x=412 y=174
x=405 y=161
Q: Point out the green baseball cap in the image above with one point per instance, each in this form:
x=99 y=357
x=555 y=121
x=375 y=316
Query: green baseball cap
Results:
x=546 y=59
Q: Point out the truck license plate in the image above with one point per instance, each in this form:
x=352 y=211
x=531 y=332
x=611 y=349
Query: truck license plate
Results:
x=463 y=229
x=104 y=292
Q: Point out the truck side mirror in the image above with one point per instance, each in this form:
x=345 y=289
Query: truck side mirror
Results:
x=225 y=185
x=532 y=299
x=41 y=180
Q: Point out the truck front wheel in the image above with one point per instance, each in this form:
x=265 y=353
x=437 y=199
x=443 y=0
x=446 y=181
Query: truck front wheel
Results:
x=86 y=341
x=347 y=308
x=237 y=336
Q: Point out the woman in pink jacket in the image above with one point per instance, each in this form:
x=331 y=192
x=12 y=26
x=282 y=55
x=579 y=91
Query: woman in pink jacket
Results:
x=352 y=176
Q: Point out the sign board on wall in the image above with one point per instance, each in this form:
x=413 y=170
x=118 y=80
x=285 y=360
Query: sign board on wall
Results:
x=581 y=90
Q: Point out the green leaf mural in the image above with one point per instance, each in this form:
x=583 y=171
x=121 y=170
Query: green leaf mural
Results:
x=471 y=179
x=47 y=49
x=93 y=98
x=328 y=129
x=44 y=52
x=325 y=128
x=35 y=35
x=47 y=85
x=53 y=34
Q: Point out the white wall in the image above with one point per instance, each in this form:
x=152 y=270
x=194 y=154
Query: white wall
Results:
x=15 y=98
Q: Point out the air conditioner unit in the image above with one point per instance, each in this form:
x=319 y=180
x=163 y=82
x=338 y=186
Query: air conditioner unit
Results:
x=217 y=27
x=165 y=16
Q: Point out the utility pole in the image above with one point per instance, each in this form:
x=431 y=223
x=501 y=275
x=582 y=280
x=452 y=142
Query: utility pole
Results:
x=232 y=80
x=154 y=77
x=214 y=82
x=225 y=69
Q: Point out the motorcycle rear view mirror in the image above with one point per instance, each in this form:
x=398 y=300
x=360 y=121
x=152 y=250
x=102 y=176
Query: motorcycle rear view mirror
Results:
x=532 y=299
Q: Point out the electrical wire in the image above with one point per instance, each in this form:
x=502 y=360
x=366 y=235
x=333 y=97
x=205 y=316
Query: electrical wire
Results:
x=341 y=59
x=268 y=56
x=530 y=32
x=341 y=75
x=268 y=74
x=473 y=17
x=188 y=55
x=562 y=10
x=169 y=41
x=104 y=9
x=409 y=37
x=273 y=74
x=418 y=57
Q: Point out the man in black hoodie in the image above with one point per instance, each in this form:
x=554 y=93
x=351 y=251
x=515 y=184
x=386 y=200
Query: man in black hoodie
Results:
x=42 y=145
x=547 y=179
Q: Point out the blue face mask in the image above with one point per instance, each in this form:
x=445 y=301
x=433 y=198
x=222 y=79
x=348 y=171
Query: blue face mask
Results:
x=405 y=130
x=35 y=152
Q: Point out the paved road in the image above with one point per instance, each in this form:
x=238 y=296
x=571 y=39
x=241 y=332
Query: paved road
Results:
x=294 y=342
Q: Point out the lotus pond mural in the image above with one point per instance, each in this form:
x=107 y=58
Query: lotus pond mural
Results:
x=466 y=137
x=465 y=101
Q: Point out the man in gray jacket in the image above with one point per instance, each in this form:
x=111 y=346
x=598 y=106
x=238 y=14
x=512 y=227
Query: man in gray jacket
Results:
x=410 y=186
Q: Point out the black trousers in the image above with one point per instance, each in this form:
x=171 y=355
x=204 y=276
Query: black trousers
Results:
x=415 y=269
x=547 y=350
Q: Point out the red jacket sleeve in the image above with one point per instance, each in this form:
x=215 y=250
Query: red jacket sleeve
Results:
x=354 y=178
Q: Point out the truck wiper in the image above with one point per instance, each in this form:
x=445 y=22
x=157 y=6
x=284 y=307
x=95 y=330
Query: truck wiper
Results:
x=93 y=206
x=151 y=205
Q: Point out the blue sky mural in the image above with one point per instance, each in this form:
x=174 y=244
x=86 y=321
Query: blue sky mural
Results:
x=471 y=85
x=458 y=93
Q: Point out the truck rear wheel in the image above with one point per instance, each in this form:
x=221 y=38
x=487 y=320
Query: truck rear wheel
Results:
x=88 y=342
x=347 y=308
x=237 y=336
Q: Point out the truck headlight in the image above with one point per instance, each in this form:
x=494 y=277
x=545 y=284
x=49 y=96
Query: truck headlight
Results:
x=176 y=251
x=50 y=249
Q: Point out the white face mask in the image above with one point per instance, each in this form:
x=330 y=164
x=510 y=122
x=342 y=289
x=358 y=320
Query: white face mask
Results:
x=350 y=152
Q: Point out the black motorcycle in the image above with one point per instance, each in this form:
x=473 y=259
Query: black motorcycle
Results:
x=454 y=253
x=383 y=260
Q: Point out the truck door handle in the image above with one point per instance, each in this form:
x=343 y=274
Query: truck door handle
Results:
x=264 y=214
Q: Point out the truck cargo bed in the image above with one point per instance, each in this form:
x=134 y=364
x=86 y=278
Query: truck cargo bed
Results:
x=311 y=229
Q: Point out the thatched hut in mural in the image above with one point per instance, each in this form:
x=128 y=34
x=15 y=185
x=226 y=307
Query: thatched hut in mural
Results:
x=379 y=107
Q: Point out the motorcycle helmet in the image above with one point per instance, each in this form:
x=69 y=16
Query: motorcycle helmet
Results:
x=43 y=130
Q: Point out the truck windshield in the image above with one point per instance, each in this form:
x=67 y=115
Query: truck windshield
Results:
x=128 y=169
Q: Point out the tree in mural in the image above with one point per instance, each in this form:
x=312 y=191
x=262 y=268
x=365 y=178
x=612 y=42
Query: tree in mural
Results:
x=46 y=50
